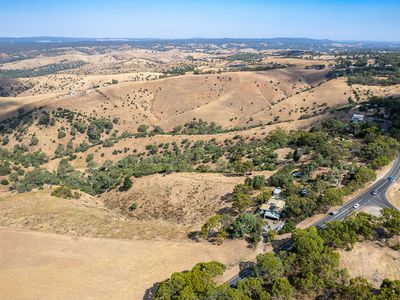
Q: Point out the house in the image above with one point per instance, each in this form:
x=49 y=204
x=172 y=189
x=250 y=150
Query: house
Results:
x=277 y=193
x=304 y=192
x=297 y=174
x=335 y=182
x=357 y=118
x=272 y=209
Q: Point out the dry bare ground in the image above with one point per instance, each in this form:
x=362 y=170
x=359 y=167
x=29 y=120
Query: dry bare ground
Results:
x=37 y=265
x=230 y=99
x=180 y=198
x=148 y=244
x=168 y=207
x=372 y=261
x=84 y=217
x=394 y=194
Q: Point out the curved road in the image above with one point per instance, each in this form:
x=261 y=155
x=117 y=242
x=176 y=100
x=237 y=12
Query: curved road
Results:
x=364 y=199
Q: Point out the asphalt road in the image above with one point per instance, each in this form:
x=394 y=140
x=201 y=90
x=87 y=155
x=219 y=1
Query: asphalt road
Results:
x=364 y=199
x=242 y=275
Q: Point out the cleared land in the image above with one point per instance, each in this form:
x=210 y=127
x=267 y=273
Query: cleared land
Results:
x=84 y=217
x=38 y=265
x=372 y=261
x=169 y=207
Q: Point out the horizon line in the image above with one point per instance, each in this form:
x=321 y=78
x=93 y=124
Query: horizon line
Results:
x=196 y=38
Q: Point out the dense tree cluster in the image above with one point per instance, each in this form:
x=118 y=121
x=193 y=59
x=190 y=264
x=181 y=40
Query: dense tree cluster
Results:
x=219 y=227
x=344 y=234
x=198 y=127
x=195 y=284
x=65 y=193
x=385 y=69
x=42 y=70
x=309 y=270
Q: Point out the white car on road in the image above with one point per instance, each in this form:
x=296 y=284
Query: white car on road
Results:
x=356 y=205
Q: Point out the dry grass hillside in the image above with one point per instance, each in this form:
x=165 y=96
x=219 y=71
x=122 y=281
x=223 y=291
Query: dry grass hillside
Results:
x=53 y=266
x=87 y=216
x=168 y=207
x=372 y=261
x=229 y=99
x=181 y=198
x=142 y=145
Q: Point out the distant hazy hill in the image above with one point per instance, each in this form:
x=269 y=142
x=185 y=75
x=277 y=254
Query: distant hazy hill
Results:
x=261 y=43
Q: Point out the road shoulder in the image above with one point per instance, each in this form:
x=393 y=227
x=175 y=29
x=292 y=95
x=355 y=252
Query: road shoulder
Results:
x=393 y=194
x=381 y=173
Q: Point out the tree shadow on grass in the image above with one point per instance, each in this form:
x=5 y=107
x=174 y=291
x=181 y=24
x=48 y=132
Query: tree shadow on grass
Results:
x=194 y=236
x=281 y=245
x=227 y=211
x=150 y=292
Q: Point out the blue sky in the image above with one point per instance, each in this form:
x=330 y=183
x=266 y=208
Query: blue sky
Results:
x=339 y=19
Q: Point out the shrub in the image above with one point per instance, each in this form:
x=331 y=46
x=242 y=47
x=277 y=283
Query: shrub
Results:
x=65 y=193
x=126 y=185
x=132 y=207
x=5 y=140
x=61 y=134
x=35 y=179
x=143 y=128
x=5 y=168
x=44 y=119
x=34 y=141
x=257 y=182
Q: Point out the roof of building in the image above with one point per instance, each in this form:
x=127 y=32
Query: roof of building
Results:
x=273 y=208
x=357 y=117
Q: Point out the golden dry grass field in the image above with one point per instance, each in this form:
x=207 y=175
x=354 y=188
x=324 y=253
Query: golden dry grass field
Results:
x=36 y=265
x=96 y=247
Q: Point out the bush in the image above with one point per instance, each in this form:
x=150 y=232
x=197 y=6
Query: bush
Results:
x=359 y=178
x=97 y=127
x=61 y=134
x=142 y=128
x=132 y=207
x=282 y=178
x=4 y=182
x=44 y=119
x=257 y=182
x=126 y=185
x=80 y=126
x=288 y=227
x=35 y=179
x=5 y=140
x=241 y=201
x=5 y=168
x=34 y=141
x=65 y=193
x=245 y=224
x=269 y=266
